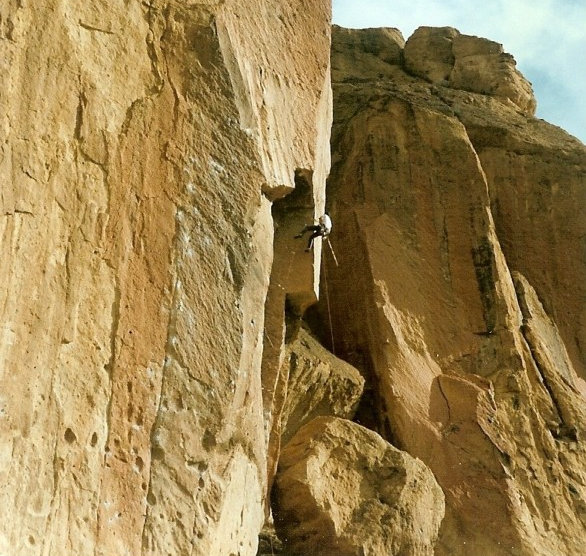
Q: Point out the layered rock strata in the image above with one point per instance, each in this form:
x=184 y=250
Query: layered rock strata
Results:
x=141 y=147
x=440 y=190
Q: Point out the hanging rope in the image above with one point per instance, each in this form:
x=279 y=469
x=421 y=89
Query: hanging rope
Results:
x=332 y=250
x=328 y=299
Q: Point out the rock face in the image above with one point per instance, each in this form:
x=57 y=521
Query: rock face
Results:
x=341 y=489
x=152 y=356
x=318 y=384
x=444 y=56
x=141 y=147
x=439 y=193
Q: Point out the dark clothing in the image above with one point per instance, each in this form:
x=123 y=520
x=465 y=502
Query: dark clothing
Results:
x=317 y=231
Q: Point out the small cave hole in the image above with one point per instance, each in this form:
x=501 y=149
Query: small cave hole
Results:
x=94 y=440
x=69 y=436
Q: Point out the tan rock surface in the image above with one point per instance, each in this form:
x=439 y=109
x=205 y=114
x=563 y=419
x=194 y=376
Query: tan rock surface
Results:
x=153 y=178
x=374 y=52
x=341 y=489
x=471 y=381
x=537 y=185
x=318 y=384
x=136 y=142
x=444 y=56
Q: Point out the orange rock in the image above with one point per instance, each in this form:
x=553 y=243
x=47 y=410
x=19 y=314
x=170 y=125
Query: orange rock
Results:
x=341 y=489
x=443 y=56
x=141 y=146
x=318 y=384
x=471 y=375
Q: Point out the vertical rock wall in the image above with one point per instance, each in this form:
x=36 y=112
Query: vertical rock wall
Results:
x=141 y=146
x=441 y=186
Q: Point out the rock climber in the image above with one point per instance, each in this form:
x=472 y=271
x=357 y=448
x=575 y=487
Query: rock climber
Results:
x=322 y=229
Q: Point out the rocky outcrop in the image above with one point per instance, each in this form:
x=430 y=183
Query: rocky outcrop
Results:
x=435 y=192
x=318 y=384
x=341 y=489
x=535 y=175
x=446 y=57
x=141 y=147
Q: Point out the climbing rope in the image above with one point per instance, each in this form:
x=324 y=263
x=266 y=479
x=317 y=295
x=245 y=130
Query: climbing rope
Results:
x=328 y=296
x=332 y=250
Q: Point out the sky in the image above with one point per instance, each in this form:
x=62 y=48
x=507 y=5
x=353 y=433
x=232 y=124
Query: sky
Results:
x=546 y=37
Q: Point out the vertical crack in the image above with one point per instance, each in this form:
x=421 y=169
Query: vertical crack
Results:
x=82 y=105
x=109 y=368
x=533 y=314
x=441 y=389
x=483 y=257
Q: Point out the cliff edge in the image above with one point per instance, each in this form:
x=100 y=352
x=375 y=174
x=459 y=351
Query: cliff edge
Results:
x=141 y=147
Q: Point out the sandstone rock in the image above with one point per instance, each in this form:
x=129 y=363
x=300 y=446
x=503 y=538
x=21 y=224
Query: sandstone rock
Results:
x=481 y=66
x=373 y=52
x=293 y=287
x=471 y=374
x=552 y=362
x=429 y=53
x=141 y=146
x=444 y=56
x=535 y=174
x=341 y=489
x=318 y=384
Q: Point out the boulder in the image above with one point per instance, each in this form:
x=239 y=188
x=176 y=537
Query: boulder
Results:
x=319 y=384
x=341 y=489
x=429 y=53
x=373 y=53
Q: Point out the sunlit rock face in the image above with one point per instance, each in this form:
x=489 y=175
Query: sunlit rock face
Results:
x=162 y=363
x=459 y=294
x=444 y=56
x=341 y=489
x=141 y=147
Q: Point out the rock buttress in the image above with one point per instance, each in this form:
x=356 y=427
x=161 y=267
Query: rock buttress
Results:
x=141 y=145
x=469 y=372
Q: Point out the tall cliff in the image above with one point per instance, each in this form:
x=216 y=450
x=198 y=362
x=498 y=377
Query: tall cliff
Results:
x=179 y=376
x=460 y=237
x=141 y=147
